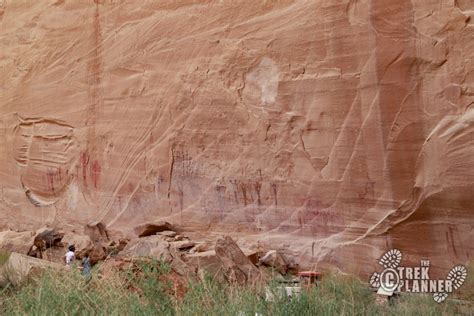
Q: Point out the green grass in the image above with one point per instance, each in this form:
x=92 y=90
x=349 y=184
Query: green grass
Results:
x=143 y=290
x=4 y=257
x=466 y=291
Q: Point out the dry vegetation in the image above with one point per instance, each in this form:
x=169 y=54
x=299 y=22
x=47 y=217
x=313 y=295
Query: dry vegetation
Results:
x=146 y=290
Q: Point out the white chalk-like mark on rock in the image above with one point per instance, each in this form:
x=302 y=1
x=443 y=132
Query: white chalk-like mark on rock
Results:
x=265 y=77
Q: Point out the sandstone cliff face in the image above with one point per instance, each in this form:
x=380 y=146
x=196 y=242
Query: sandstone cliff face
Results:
x=337 y=128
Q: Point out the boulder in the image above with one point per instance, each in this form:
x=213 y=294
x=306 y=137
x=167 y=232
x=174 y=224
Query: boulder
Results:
x=237 y=267
x=48 y=238
x=202 y=246
x=97 y=232
x=178 y=265
x=168 y=233
x=53 y=254
x=183 y=244
x=36 y=252
x=206 y=263
x=180 y=237
x=151 y=229
x=158 y=248
x=273 y=259
x=19 y=242
x=150 y=246
x=82 y=243
x=45 y=239
x=96 y=253
x=18 y=266
x=290 y=257
x=252 y=255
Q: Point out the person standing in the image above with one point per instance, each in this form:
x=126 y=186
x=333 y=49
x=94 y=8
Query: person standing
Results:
x=86 y=267
x=70 y=256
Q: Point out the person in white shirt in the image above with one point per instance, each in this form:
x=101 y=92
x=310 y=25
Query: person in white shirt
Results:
x=70 y=256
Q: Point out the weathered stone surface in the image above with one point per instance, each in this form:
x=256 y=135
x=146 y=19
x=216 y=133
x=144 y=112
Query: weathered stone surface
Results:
x=97 y=232
x=182 y=245
x=344 y=126
x=85 y=244
x=97 y=253
x=168 y=233
x=151 y=229
x=226 y=263
x=48 y=245
x=235 y=264
x=252 y=255
x=202 y=246
x=82 y=243
x=19 y=266
x=273 y=259
x=19 y=242
x=151 y=246
x=177 y=263
x=48 y=238
x=206 y=263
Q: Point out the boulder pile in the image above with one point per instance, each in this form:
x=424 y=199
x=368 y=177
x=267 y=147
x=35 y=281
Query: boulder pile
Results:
x=222 y=259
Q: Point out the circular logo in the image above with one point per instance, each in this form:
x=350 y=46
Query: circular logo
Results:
x=389 y=280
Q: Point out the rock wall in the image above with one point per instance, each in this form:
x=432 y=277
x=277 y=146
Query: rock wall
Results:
x=336 y=128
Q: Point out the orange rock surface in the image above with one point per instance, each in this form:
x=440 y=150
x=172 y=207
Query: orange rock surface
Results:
x=335 y=128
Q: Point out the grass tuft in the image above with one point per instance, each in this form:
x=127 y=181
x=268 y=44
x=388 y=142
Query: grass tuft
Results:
x=145 y=289
x=4 y=257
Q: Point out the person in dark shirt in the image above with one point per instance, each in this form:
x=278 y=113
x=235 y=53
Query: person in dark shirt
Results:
x=86 y=267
